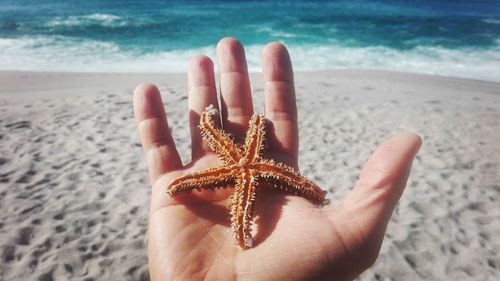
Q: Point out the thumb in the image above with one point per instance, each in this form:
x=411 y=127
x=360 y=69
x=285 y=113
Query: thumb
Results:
x=381 y=184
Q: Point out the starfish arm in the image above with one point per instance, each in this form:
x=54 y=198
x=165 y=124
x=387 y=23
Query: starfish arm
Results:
x=207 y=179
x=242 y=208
x=218 y=140
x=254 y=138
x=287 y=179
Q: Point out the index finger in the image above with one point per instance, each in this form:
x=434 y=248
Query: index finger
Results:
x=157 y=142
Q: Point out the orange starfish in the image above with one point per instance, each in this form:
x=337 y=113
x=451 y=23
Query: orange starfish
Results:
x=244 y=167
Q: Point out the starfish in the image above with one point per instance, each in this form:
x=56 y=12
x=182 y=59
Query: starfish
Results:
x=243 y=168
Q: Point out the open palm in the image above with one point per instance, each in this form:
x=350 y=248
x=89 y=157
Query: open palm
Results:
x=190 y=236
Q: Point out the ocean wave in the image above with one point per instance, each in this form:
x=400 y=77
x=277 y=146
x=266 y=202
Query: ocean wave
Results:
x=59 y=53
x=276 y=33
x=491 y=21
x=107 y=20
x=473 y=63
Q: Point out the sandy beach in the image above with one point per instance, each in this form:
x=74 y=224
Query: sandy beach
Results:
x=74 y=189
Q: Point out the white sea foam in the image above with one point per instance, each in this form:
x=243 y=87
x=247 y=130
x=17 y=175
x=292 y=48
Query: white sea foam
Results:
x=83 y=20
x=58 y=53
x=492 y=21
x=465 y=62
x=44 y=53
x=102 y=17
x=276 y=33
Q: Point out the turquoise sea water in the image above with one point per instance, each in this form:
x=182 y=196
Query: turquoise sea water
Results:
x=456 y=38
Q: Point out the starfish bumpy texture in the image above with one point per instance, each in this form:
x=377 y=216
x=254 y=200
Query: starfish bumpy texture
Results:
x=243 y=168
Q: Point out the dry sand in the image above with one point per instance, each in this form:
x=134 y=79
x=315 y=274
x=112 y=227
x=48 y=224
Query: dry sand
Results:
x=74 y=190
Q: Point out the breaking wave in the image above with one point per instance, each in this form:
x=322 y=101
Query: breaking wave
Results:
x=59 y=53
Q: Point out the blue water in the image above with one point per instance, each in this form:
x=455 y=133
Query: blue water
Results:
x=456 y=38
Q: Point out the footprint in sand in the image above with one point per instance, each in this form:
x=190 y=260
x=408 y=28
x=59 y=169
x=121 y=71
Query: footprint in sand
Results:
x=8 y=253
x=60 y=228
x=24 y=235
x=19 y=125
x=46 y=276
x=26 y=177
x=68 y=268
x=3 y=161
x=134 y=210
x=59 y=216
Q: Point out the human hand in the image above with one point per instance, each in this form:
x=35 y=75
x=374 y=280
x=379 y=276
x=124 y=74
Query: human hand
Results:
x=189 y=235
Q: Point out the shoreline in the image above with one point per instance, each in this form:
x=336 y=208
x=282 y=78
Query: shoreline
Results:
x=38 y=76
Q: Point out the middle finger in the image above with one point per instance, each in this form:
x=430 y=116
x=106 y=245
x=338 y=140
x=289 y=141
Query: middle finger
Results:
x=236 y=97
